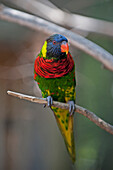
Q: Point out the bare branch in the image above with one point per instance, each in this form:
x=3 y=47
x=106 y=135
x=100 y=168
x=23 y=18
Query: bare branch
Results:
x=47 y=27
x=90 y=115
x=82 y=23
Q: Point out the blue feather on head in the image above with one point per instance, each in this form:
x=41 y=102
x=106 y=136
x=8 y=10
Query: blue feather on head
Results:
x=54 y=44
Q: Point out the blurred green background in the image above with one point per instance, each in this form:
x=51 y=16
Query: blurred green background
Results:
x=29 y=136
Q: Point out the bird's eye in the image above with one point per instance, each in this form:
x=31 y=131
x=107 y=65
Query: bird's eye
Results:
x=54 y=42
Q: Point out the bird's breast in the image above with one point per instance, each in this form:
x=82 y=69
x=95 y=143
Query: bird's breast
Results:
x=50 y=68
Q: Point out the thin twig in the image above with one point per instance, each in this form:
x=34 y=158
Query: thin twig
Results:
x=36 y=23
x=90 y=115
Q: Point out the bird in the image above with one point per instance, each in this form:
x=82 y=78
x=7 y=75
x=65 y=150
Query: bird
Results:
x=54 y=72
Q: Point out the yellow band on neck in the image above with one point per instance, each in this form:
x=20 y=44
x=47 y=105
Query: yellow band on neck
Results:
x=44 y=49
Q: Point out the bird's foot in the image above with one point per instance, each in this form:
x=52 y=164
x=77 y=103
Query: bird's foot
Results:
x=44 y=105
x=71 y=107
x=49 y=101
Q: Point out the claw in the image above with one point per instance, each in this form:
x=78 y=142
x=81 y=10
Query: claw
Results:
x=49 y=101
x=71 y=107
x=44 y=105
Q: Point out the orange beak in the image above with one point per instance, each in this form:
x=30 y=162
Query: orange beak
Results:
x=64 y=47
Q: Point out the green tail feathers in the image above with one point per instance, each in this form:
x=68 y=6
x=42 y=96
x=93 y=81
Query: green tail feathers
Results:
x=65 y=124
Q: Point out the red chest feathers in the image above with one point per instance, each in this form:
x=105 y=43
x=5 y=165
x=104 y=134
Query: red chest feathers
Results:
x=53 y=69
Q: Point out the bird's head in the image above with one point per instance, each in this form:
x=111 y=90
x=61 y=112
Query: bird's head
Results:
x=55 y=47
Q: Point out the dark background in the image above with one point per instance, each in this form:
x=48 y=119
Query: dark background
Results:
x=29 y=136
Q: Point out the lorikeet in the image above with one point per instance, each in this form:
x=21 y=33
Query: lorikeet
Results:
x=54 y=71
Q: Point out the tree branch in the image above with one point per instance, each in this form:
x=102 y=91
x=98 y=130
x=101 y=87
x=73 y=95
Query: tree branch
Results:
x=47 y=27
x=90 y=115
x=81 y=23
